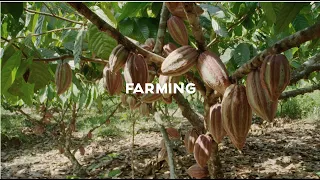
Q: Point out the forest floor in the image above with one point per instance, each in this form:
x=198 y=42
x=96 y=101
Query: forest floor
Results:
x=283 y=149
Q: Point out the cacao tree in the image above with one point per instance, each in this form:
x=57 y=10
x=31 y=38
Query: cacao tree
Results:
x=241 y=56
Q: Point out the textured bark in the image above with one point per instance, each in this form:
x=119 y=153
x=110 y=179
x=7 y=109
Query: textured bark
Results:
x=105 y=27
x=214 y=164
x=289 y=42
x=161 y=30
x=297 y=92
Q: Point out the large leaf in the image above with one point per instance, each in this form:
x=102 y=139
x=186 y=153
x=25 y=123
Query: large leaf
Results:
x=77 y=50
x=286 y=15
x=38 y=28
x=39 y=75
x=300 y=22
x=100 y=43
x=126 y=27
x=9 y=70
x=23 y=90
x=269 y=11
x=219 y=27
x=227 y=55
x=102 y=14
x=242 y=54
x=130 y=9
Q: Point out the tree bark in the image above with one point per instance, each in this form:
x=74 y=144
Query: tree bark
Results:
x=297 y=92
x=161 y=30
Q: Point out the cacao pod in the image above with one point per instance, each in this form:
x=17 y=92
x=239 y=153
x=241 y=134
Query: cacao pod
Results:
x=173 y=133
x=190 y=139
x=150 y=42
x=258 y=98
x=179 y=61
x=131 y=101
x=215 y=123
x=112 y=81
x=275 y=75
x=198 y=172
x=167 y=100
x=149 y=98
x=168 y=48
x=176 y=8
x=118 y=58
x=136 y=70
x=236 y=114
x=144 y=109
x=146 y=47
x=203 y=149
x=169 y=82
x=123 y=99
x=177 y=29
x=63 y=77
x=213 y=71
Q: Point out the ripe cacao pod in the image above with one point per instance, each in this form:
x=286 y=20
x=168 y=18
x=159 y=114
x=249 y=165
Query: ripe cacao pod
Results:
x=190 y=139
x=169 y=81
x=177 y=29
x=236 y=114
x=149 y=98
x=123 y=99
x=179 y=61
x=214 y=124
x=258 y=97
x=132 y=102
x=136 y=70
x=168 y=48
x=63 y=77
x=275 y=75
x=112 y=81
x=173 y=133
x=203 y=149
x=198 y=172
x=144 y=109
x=118 y=58
x=176 y=8
x=213 y=71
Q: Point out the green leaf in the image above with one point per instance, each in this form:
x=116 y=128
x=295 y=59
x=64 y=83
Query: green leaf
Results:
x=77 y=50
x=39 y=75
x=28 y=47
x=15 y=9
x=23 y=90
x=242 y=54
x=227 y=55
x=126 y=26
x=269 y=11
x=131 y=9
x=300 y=22
x=290 y=53
x=286 y=15
x=143 y=27
x=102 y=14
x=100 y=43
x=90 y=97
x=114 y=173
x=38 y=28
x=9 y=70
x=219 y=27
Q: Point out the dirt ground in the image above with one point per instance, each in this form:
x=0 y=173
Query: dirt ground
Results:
x=283 y=149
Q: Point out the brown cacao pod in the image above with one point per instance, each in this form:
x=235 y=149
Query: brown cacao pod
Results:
x=190 y=139
x=118 y=58
x=169 y=82
x=214 y=124
x=132 y=102
x=146 y=47
x=168 y=48
x=176 y=8
x=150 y=42
x=179 y=61
x=258 y=97
x=177 y=29
x=167 y=100
x=213 y=71
x=203 y=149
x=112 y=81
x=236 y=114
x=198 y=172
x=149 y=98
x=144 y=109
x=136 y=70
x=173 y=133
x=123 y=99
x=275 y=75
x=63 y=77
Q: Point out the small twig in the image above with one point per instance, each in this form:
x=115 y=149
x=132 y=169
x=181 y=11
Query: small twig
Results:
x=49 y=8
x=51 y=31
x=174 y=112
x=132 y=145
x=65 y=57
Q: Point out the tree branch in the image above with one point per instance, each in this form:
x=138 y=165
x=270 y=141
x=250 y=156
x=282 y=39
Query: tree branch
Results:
x=66 y=57
x=296 y=92
x=52 y=15
x=161 y=30
x=51 y=31
x=289 y=42
x=105 y=27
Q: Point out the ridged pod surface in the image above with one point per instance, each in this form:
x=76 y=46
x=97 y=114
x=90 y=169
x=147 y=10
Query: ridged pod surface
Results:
x=169 y=81
x=236 y=114
x=198 y=172
x=112 y=82
x=213 y=71
x=118 y=58
x=177 y=29
x=132 y=102
x=168 y=48
x=258 y=97
x=176 y=8
x=275 y=75
x=215 y=123
x=190 y=139
x=144 y=109
x=203 y=149
x=63 y=77
x=173 y=133
x=136 y=70
x=179 y=61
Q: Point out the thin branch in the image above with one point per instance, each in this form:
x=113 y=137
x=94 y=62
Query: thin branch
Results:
x=52 y=15
x=48 y=8
x=161 y=30
x=114 y=33
x=289 y=42
x=51 y=31
x=297 y=92
x=66 y=57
